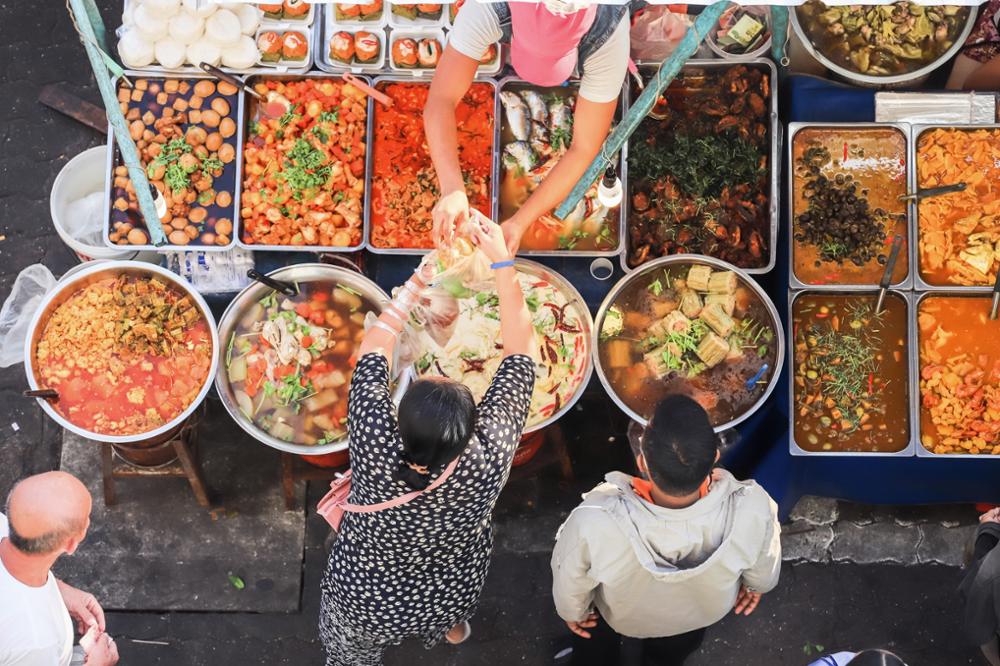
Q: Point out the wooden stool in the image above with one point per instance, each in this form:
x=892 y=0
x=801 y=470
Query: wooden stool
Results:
x=186 y=464
x=294 y=469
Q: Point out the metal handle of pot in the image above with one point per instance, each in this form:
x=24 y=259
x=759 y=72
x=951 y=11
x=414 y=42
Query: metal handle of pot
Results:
x=284 y=287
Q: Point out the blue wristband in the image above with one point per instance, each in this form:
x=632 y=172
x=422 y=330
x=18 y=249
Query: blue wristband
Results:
x=502 y=264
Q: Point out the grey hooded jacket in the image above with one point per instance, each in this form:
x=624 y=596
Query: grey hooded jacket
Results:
x=652 y=571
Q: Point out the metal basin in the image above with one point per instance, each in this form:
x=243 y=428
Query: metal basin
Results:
x=95 y=272
x=300 y=273
x=690 y=260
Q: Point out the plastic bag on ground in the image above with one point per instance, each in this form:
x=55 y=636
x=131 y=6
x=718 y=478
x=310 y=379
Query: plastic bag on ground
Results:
x=19 y=309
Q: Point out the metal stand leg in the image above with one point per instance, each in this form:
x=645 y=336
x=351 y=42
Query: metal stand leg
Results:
x=288 y=480
x=108 y=472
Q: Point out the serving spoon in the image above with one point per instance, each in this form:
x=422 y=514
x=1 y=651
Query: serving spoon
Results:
x=920 y=195
x=996 y=298
x=272 y=107
x=285 y=288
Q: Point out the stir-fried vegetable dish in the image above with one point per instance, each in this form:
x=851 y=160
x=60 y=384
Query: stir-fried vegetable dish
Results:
x=127 y=355
x=304 y=170
x=959 y=375
x=690 y=330
x=960 y=232
x=851 y=373
x=404 y=183
x=289 y=361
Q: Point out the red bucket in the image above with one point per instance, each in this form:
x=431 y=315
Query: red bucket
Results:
x=329 y=460
x=529 y=447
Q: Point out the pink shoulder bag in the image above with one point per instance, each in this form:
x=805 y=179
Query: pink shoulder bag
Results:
x=334 y=503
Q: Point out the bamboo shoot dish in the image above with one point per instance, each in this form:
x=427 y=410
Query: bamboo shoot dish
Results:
x=882 y=40
x=304 y=165
x=845 y=209
x=470 y=350
x=959 y=375
x=851 y=374
x=699 y=169
x=959 y=232
x=289 y=361
x=127 y=355
x=404 y=183
x=536 y=132
x=688 y=329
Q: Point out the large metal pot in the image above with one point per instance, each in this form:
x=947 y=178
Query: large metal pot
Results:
x=92 y=273
x=893 y=81
x=690 y=260
x=299 y=273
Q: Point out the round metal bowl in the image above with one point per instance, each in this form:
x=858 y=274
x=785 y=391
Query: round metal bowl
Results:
x=887 y=80
x=93 y=272
x=298 y=273
x=690 y=260
x=574 y=298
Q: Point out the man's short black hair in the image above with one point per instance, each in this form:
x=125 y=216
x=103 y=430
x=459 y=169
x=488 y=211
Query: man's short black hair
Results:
x=679 y=445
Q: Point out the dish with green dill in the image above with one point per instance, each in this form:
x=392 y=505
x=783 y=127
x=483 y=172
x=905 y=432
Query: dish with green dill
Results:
x=688 y=329
x=850 y=386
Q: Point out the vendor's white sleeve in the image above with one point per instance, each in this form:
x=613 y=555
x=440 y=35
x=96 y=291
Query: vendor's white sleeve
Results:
x=476 y=27
x=605 y=69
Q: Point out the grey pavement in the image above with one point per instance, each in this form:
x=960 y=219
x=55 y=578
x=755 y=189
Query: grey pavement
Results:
x=856 y=576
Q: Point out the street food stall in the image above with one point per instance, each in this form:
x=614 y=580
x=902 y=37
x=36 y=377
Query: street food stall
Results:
x=819 y=279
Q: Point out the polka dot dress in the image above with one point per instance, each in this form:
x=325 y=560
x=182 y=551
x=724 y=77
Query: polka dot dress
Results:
x=415 y=570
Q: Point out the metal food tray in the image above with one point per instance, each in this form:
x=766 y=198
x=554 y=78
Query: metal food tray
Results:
x=622 y=171
x=265 y=24
x=918 y=298
x=793 y=280
x=918 y=281
x=244 y=128
x=494 y=174
x=775 y=161
x=113 y=152
x=914 y=390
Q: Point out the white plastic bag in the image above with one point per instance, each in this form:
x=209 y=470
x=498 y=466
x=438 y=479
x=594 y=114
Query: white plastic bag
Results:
x=656 y=33
x=18 y=310
x=84 y=219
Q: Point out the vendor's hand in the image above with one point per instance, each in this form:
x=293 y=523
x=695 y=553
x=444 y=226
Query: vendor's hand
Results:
x=512 y=233
x=746 y=601
x=103 y=652
x=82 y=607
x=449 y=214
x=580 y=628
x=991 y=516
x=488 y=237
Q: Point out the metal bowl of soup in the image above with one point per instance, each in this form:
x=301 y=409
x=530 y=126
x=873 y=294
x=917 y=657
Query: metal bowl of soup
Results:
x=693 y=325
x=839 y=37
x=121 y=379
x=285 y=363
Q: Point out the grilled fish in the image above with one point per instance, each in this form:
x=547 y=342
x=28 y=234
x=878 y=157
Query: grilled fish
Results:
x=517 y=115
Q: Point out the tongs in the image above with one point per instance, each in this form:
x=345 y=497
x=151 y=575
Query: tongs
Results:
x=890 y=267
x=379 y=97
x=919 y=195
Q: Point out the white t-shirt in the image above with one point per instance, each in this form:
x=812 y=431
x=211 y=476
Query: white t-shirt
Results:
x=839 y=659
x=603 y=73
x=35 y=627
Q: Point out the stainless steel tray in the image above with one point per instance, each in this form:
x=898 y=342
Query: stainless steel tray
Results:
x=915 y=417
x=919 y=283
x=913 y=395
x=244 y=127
x=622 y=167
x=266 y=24
x=793 y=280
x=775 y=157
x=396 y=78
x=112 y=158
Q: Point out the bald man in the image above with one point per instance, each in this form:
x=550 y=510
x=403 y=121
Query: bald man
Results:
x=47 y=517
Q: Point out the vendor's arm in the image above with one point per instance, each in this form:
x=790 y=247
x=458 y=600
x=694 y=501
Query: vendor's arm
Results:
x=475 y=29
x=600 y=88
x=986 y=77
x=515 y=320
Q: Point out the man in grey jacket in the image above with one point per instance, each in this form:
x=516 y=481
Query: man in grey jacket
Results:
x=662 y=558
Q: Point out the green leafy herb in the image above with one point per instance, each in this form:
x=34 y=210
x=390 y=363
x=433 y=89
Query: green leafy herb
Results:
x=176 y=177
x=454 y=286
x=269 y=301
x=304 y=169
x=288 y=117
x=329 y=116
x=700 y=166
x=424 y=362
x=655 y=287
x=236 y=582
x=255 y=128
x=327 y=438
x=321 y=134
x=229 y=349
x=560 y=138
x=210 y=164
x=487 y=299
x=353 y=292
x=532 y=302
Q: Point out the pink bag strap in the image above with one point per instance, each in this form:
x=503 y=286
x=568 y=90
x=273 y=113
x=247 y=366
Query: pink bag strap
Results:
x=402 y=499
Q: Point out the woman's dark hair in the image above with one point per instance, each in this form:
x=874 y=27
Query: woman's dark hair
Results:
x=679 y=445
x=876 y=658
x=436 y=418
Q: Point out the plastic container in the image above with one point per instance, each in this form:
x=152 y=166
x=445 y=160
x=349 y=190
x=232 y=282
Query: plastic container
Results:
x=416 y=35
x=759 y=52
x=330 y=18
x=403 y=23
x=82 y=175
x=328 y=64
x=282 y=30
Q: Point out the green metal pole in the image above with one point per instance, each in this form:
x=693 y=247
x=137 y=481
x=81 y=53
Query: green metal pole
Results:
x=130 y=154
x=97 y=23
x=642 y=105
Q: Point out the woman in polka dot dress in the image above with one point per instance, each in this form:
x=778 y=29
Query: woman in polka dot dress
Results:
x=416 y=570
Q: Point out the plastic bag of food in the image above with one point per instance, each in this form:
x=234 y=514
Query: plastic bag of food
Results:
x=19 y=309
x=656 y=32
